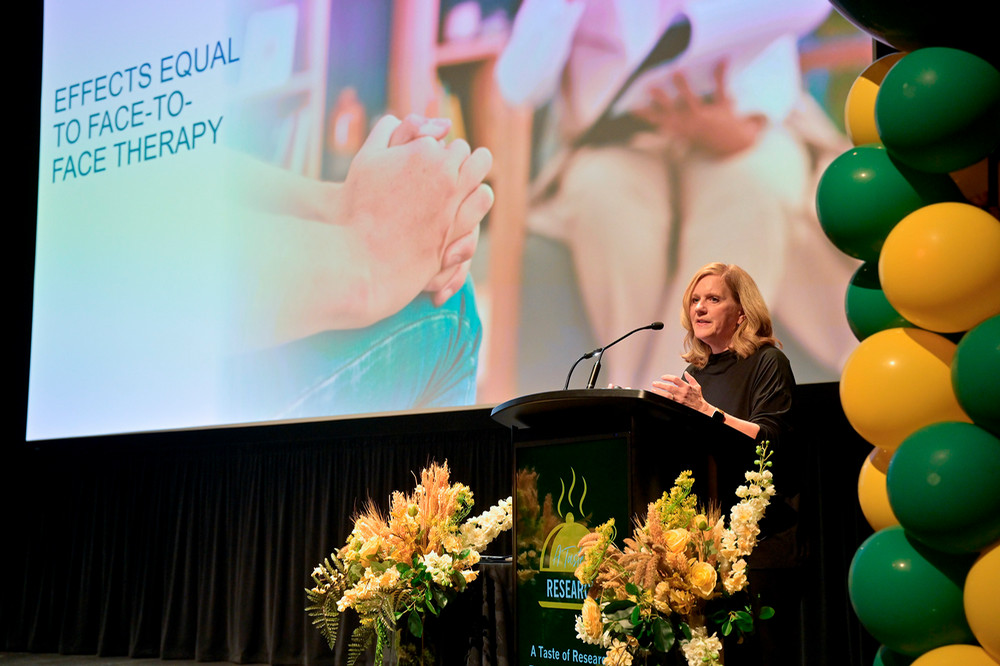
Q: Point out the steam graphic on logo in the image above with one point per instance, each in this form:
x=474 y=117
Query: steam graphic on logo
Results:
x=561 y=554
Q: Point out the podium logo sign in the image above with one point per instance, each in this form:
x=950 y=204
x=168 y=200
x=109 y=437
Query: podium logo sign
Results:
x=563 y=490
x=561 y=554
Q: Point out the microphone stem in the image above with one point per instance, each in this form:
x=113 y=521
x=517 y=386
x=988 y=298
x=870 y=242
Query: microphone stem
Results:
x=596 y=371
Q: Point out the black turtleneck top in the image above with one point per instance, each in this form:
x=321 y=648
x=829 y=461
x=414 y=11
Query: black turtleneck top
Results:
x=757 y=388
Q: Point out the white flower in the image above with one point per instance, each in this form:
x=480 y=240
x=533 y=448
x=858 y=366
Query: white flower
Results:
x=478 y=532
x=439 y=567
x=702 y=649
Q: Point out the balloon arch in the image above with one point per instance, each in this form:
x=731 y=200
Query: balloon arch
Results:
x=916 y=200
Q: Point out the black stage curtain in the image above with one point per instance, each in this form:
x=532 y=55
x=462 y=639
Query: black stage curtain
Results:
x=199 y=545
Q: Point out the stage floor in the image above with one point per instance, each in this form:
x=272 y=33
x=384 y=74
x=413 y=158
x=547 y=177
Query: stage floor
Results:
x=30 y=659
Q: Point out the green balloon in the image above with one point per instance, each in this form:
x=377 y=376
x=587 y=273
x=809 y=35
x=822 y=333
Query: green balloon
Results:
x=938 y=109
x=886 y=657
x=868 y=310
x=975 y=374
x=943 y=486
x=908 y=596
x=864 y=193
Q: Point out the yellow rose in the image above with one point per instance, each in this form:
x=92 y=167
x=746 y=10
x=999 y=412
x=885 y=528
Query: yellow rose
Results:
x=677 y=540
x=369 y=548
x=702 y=579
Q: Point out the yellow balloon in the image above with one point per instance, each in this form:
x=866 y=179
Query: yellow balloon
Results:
x=872 y=493
x=955 y=655
x=982 y=600
x=896 y=382
x=859 y=109
x=940 y=267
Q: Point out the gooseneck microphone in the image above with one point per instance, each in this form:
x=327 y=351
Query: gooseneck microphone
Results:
x=599 y=352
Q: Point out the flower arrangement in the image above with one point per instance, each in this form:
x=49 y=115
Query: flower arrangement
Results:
x=677 y=574
x=407 y=563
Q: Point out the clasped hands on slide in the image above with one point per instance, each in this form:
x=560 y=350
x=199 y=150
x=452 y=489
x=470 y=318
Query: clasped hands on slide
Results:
x=322 y=256
x=447 y=198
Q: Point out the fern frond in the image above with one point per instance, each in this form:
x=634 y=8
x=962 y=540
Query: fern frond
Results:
x=360 y=640
x=331 y=582
x=325 y=615
x=385 y=611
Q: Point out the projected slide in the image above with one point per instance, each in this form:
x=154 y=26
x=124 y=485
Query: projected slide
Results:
x=230 y=229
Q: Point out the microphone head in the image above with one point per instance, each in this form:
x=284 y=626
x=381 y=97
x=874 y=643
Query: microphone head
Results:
x=656 y=325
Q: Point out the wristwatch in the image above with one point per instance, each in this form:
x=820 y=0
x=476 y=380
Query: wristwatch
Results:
x=719 y=415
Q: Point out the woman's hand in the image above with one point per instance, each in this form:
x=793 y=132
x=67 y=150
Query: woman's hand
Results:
x=686 y=391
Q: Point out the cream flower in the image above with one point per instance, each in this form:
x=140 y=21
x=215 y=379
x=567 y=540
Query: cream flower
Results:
x=736 y=579
x=452 y=544
x=618 y=654
x=478 y=532
x=661 y=597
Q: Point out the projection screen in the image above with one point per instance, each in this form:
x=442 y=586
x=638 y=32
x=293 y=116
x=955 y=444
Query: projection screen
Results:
x=227 y=233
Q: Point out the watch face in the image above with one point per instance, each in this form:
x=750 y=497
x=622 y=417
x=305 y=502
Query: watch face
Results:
x=719 y=416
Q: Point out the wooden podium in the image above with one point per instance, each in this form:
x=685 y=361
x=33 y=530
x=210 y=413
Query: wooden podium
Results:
x=582 y=457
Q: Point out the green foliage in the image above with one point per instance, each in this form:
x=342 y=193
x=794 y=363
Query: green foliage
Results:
x=663 y=634
x=740 y=621
x=415 y=624
x=678 y=507
x=465 y=504
x=653 y=632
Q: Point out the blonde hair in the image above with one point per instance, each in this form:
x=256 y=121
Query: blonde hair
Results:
x=752 y=333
